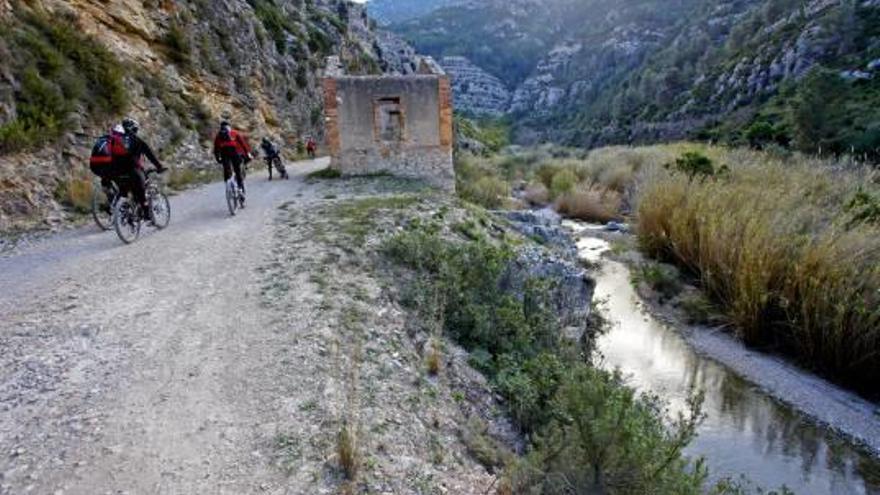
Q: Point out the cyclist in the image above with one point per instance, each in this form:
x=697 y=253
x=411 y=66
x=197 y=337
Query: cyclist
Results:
x=128 y=153
x=270 y=154
x=311 y=147
x=231 y=149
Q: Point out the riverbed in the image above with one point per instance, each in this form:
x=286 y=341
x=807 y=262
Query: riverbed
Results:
x=747 y=431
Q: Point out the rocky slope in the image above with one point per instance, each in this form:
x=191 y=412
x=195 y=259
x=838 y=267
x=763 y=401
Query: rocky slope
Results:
x=68 y=69
x=475 y=90
x=602 y=71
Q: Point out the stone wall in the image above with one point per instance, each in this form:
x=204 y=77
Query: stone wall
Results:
x=391 y=124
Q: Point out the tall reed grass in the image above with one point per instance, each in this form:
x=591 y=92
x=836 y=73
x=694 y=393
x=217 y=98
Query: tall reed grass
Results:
x=773 y=243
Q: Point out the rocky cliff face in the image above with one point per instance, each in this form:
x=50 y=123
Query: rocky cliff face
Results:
x=595 y=72
x=474 y=90
x=68 y=69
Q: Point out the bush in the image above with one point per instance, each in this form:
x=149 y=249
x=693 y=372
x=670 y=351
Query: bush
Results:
x=693 y=164
x=276 y=22
x=563 y=182
x=590 y=204
x=75 y=193
x=609 y=440
x=59 y=69
x=537 y=194
x=488 y=191
x=178 y=44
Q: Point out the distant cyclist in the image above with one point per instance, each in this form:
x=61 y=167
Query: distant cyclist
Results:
x=231 y=149
x=311 y=147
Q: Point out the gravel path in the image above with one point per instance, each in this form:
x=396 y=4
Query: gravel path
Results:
x=226 y=355
x=143 y=368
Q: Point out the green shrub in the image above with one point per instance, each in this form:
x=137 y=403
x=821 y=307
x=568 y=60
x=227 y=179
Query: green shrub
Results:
x=693 y=164
x=609 y=440
x=59 y=69
x=488 y=191
x=179 y=45
x=663 y=279
x=563 y=182
x=864 y=208
x=277 y=23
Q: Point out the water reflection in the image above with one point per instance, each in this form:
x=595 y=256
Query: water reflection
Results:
x=745 y=432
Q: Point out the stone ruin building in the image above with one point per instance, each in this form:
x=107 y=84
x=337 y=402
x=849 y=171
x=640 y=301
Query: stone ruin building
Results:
x=396 y=124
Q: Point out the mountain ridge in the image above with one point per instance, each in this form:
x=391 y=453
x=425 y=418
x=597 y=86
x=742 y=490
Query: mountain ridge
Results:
x=603 y=72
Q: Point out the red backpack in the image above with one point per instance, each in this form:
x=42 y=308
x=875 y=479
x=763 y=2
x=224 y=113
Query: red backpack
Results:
x=107 y=152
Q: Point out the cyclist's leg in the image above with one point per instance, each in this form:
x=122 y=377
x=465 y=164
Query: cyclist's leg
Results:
x=139 y=189
x=236 y=166
x=227 y=168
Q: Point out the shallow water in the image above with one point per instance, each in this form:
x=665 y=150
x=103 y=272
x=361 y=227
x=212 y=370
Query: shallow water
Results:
x=745 y=431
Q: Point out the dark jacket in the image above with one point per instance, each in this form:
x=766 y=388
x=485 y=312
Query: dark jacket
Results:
x=137 y=150
x=269 y=149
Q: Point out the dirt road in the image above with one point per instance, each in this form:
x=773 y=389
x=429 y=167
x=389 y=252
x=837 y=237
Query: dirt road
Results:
x=143 y=368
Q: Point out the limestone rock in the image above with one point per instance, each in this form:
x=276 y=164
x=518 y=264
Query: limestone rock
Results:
x=474 y=90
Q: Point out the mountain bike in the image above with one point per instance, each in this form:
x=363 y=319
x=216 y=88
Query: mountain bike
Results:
x=234 y=194
x=103 y=203
x=128 y=217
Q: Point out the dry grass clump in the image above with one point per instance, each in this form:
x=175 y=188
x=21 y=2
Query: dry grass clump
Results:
x=347 y=452
x=537 y=194
x=590 y=204
x=434 y=359
x=76 y=193
x=774 y=244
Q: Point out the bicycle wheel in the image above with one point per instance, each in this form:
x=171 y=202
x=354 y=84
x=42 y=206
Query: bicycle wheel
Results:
x=231 y=199
x=127 y=220
x=161 y=210
x=102 y=210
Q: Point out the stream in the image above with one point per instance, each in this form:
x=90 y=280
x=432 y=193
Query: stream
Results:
x=746 y=432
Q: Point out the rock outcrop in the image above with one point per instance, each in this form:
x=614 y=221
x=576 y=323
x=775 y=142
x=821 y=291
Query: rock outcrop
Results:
x=474 y=90
x=571 y=290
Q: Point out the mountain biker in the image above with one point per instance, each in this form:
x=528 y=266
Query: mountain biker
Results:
x=231 y=149
x=129 y=161
x=270 y=154
x=269 y=149
x=311 y=147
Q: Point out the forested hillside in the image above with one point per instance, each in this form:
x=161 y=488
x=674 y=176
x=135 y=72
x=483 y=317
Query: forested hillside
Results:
x=792 y=73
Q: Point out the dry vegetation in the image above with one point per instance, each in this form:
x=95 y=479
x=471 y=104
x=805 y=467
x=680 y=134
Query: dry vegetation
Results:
x=787 y=246
x=779 y=244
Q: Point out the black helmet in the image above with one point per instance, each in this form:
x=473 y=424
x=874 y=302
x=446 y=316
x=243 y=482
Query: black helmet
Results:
x=266 y=139
x=224 y=123
x=130 y=125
